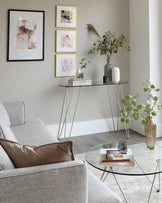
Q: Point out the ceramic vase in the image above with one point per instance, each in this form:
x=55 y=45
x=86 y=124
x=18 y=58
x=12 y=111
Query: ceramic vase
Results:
x=108 y=72
x=150 y=133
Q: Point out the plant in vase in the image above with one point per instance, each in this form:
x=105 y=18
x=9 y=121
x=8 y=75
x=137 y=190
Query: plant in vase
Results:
x=83 y=64
x=146 y=112
x=107 y=45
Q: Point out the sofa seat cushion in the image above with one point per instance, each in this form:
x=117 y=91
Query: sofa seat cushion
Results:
x=33 y=133
x=27 y=156
x=100 y=193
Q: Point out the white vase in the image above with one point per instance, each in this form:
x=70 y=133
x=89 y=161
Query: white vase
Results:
x=115 y=74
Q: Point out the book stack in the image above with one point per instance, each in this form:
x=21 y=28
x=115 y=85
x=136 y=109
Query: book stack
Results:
x=115 y=157
x=80 y=81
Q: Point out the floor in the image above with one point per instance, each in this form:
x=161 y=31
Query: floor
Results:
x=84 y=143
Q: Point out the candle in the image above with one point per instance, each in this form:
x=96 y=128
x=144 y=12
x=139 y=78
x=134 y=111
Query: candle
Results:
x=116 y=74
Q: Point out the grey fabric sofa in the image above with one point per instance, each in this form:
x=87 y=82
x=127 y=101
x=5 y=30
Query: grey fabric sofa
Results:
x=68 y=182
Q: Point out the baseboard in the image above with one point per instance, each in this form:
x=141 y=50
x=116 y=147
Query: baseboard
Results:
x=89 y=127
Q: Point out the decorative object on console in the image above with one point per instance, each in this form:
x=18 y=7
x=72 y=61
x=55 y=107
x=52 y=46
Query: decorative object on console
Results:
x=66 y=41
x=115 y=75
x=25 y=35
x=80 y=81
x=83 y=64
x=66 y=16
x=107 y=45
x=131 y=108
x=65 y=65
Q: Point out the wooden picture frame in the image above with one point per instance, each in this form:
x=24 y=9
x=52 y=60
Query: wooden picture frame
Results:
x=65 y=65
x=66 y=16
x=25 y=35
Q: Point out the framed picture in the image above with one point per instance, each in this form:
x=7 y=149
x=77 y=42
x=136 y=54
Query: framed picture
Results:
x=65 y=65
x=25 y=35
x=66 y=16
x=66 y=41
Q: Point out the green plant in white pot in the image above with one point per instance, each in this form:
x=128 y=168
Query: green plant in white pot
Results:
x=131 y=108
x=83 y=64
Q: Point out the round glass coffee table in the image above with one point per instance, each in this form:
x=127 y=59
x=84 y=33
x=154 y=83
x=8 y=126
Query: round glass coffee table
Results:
x=147 y=162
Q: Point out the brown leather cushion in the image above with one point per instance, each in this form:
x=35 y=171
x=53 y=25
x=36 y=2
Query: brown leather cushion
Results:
x=26 y=155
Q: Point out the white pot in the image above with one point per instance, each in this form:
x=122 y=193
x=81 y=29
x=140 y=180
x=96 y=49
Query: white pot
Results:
x=116 y=74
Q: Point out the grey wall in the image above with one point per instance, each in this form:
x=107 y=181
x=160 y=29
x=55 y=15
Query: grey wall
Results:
x=34 y=82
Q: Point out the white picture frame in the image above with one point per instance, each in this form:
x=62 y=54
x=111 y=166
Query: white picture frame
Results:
x=66 y=41
x=65 y=65
x=25 y=35
x=66 y=16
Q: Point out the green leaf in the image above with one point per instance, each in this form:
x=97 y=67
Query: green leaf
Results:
x=123 y=100
x=139 y=106
x=154 y=113
x=127 y=120
x=152 y=86
x=143 y=122
x=155 y=98
x=122 y=120
x=157 y=90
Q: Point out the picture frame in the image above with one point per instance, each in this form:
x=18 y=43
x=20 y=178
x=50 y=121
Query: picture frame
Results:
x=66 y=41
x=66 y=16
x=65 y=65
x=25 y=35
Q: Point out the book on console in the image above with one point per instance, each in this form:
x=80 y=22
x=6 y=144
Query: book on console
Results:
x=113 y=157
x=80 y=81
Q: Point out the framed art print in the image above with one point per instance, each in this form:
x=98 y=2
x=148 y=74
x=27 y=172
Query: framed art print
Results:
x=25 y=35
x=65 y=65
x=66 y=41
x=66 y=16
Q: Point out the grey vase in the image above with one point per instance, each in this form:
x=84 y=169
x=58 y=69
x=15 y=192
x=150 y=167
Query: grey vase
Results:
x=108 y=72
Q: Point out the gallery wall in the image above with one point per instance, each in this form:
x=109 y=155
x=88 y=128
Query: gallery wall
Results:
x=35 y=82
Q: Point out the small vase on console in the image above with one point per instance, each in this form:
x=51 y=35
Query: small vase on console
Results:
x=107 y=72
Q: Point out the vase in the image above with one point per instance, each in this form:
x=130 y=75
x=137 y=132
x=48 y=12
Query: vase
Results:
x=108 y=72
x=80 y=73
x=116 y=74
x=150 y=133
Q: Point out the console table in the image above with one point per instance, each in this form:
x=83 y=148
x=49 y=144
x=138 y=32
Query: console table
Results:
x=68 y=98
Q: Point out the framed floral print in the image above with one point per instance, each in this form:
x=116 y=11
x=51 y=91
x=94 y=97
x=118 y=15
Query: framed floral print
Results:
x=66 y=41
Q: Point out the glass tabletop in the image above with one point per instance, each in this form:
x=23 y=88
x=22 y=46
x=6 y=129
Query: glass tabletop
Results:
x=144 y=158
x=94 y=83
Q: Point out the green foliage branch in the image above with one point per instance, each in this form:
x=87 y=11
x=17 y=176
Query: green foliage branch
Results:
x=131 y=107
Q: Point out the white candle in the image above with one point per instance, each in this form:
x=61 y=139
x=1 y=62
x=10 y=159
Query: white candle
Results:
x=116 y=74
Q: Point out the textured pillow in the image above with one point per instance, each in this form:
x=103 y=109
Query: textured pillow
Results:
x=5 y=162
x=4 y=115
x=26 y=155
x=6 y=132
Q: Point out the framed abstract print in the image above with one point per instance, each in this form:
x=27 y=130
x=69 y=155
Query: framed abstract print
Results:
x=25 y=35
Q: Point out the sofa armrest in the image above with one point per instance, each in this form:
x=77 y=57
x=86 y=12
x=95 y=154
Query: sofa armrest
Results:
x=55 y=183
x=16 y=112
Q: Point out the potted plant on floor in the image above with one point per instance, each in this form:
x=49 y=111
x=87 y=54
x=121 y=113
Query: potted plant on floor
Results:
x=146 y=112
x=107 y=45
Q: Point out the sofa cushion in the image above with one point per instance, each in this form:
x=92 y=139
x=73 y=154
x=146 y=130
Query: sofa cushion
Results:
x=6 y=133
x=3 y=115
x=33 y=133
x=16 y=112
x=103 y=194
x=5 y=162
x=26 y=155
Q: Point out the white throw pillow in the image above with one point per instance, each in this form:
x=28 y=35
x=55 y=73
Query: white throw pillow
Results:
x=4 y=115
x=5 y=162
x=6 y=133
